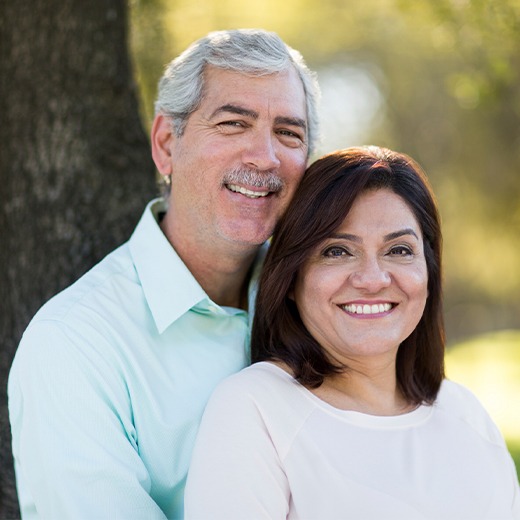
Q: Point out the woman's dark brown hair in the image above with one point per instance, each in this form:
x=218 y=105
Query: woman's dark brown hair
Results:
x=320 y=205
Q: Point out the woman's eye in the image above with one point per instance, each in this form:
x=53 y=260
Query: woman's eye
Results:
x=335 y=252
x=401 y=251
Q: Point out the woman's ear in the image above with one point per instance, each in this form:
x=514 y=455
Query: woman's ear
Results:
x=162 y=138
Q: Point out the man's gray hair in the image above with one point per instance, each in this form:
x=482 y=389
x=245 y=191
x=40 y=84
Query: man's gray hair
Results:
x=249 y=51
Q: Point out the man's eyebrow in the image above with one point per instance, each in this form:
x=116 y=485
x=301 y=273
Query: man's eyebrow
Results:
x=241 y=111
x=291 y=121
x=386 y=238
x=235 y=109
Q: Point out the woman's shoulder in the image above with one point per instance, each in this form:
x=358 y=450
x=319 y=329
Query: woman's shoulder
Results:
x=266 y=392
x=458 y=398
x=463 y=405
x=260 y=379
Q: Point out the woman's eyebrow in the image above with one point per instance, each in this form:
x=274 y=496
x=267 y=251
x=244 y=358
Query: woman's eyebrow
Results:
x=400 y=233
x=347 y=236
x=387 y=238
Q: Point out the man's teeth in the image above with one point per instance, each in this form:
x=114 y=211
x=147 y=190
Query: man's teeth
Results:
x=246 y=192
x=376 y=308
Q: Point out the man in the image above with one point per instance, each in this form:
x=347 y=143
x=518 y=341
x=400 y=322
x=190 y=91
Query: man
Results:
x=112 y=375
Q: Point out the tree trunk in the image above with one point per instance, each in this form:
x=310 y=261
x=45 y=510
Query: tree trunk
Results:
x=75 y=166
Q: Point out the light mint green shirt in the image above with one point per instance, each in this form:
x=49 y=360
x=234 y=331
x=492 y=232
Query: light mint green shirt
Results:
x=110 y=381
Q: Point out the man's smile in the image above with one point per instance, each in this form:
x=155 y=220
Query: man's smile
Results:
x=248 y=193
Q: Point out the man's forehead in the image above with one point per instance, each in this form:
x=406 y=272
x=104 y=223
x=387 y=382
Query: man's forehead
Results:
x=231 y=91
x=212 y=70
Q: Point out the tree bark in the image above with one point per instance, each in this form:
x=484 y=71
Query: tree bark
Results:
x=75 y=166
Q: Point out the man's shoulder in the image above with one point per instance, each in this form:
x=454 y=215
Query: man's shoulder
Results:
x=110 y=280
x=94 y=289
x=86 y=327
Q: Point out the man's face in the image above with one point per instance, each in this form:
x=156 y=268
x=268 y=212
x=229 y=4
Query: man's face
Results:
x=240 y=158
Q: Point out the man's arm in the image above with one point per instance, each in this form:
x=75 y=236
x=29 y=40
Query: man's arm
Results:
x=75 y=447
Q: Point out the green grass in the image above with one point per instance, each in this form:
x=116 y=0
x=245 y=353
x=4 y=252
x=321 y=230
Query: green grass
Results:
x=489 y=365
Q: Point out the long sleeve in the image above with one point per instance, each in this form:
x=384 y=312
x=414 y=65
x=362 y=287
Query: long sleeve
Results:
x=73 y=440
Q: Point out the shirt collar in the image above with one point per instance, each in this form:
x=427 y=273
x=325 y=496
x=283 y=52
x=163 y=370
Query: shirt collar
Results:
x=169 y=287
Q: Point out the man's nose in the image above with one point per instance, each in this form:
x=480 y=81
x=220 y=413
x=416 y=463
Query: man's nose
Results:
x=261 y=152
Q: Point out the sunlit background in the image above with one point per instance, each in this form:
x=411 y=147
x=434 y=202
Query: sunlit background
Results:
x=437 y=79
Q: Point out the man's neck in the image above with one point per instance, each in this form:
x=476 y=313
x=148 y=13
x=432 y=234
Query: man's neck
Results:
x=224 y=280
x=223 y=271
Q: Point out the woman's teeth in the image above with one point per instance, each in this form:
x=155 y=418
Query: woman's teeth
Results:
x=376 y=308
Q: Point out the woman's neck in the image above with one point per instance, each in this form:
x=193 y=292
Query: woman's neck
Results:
x=360 y=392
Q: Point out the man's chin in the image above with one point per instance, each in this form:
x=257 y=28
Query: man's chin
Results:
x=247 y=238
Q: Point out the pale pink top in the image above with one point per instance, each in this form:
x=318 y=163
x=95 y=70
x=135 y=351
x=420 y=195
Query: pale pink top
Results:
x=270 y=449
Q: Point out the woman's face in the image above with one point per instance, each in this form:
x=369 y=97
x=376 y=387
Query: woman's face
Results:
x=363 y=290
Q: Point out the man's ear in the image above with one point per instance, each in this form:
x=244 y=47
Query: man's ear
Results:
x=161 y=141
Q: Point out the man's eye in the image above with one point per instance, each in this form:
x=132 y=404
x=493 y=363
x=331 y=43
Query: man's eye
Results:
x=230 y=123
x=231 y=127
x=290 y=133
x=335 y=252
x=290 y=137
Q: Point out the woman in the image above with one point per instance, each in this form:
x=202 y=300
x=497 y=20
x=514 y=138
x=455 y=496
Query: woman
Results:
x=346 y=412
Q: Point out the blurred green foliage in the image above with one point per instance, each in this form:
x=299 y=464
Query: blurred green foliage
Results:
x=514 y=449
x=447 y=91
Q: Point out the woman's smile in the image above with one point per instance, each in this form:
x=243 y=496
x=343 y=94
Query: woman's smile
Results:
x=368 y=308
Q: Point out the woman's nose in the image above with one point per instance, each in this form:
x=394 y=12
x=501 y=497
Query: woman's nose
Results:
x=371 y=276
